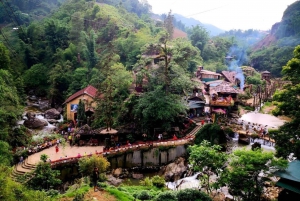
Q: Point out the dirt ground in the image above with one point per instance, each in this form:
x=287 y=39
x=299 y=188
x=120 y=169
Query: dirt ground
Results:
x=95 y=196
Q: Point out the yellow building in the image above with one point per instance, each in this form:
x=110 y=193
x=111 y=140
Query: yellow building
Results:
x=87 y=96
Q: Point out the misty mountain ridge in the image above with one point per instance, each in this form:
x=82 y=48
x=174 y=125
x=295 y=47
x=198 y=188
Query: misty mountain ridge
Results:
x=189 y=22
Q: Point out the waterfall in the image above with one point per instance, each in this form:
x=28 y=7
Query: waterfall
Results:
x=187 y=182
x=61 y=119
x=236 y=137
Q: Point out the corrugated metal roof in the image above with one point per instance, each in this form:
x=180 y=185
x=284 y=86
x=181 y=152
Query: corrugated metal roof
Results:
x=289 y=185
x=292 y=172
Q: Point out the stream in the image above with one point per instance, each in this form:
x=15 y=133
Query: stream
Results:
x=252 y=117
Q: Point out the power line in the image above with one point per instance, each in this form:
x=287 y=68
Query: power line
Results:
x=13 y=13
x=205 y=11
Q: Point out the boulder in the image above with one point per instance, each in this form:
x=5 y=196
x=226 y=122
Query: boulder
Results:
x=174 y=171
x=113 y=180
x=35 y=123
x=117 y=172
x=137 y=176
x=44 y=104
x=52 y=114
x=30 y=115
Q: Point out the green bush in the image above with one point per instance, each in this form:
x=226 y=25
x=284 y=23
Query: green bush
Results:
x=102 y=185
x=166 y=196
x=192 y=195
x=144 y=195
x=146 y=182
x=249 y=108
x=158 y=181
x=212 y=133
x=52 y=193
x=120 y=195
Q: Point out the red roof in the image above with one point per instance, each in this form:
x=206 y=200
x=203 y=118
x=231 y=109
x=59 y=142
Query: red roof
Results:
x=89 y=90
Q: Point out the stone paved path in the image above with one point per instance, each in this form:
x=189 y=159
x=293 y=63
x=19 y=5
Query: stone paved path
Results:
x=63 y=152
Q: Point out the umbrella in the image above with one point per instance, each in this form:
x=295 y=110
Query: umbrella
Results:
x=108 y=131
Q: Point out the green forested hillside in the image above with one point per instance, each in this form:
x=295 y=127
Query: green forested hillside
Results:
x=54 y=48
x=277 y=48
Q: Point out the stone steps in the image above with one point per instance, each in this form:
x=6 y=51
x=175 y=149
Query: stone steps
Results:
x=21 y=169
x=193 y=132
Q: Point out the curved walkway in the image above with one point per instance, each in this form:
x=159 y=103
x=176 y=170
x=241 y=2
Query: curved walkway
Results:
x=69 y=153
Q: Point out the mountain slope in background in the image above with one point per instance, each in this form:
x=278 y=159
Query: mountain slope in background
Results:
x=286 y=32
x=276 y=49
x=189 y=22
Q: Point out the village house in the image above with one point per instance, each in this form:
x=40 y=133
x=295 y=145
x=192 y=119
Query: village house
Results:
x=206 y=75
x=248 y=71
x=230 y=76
x=86 y=95
x=265 y=75
x=223 y=95
x=289 y=181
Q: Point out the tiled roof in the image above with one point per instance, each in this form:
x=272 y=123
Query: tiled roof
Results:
x=209 y=72
x=225 y=87
x=229 y=75
x=89 y=90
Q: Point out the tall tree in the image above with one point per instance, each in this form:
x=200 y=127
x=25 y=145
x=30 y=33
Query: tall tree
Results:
x=10 y=108
x=208 y=159
x=288 y=137
x=4 y=58
x=157 y=109
x=90 y=50
x=56 y=34
x=5 y=154
x=243 y=175
x=168 y=24
x=199 y=37
x=43 y=177
x=87 y=164
x=81 y=113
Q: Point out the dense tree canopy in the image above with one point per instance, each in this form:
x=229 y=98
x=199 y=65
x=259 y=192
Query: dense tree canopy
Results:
x=157 y=109
x=208 y=160
x=287 y=138
x=242 y=176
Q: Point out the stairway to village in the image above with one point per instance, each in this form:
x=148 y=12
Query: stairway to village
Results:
x=193 y=133
x=22 y=168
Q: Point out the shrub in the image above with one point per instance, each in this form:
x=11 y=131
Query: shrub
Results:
x=146 y=182
x=52 y=192
x=192 y=195
x=158 y=181
x=144 y=195
x=166 y=196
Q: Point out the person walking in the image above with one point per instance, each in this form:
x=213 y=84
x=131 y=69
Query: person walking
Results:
x=21 y=159
x=56 y=149
x=95 y=178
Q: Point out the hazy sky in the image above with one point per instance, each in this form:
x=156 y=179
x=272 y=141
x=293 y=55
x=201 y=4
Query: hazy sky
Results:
x=227 y=14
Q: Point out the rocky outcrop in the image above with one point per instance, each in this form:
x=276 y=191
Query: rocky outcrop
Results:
x=117 y=172
x=174 y=171
x=52 y=114
x=33 y=122
x=113 y=180
x=137 y=176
